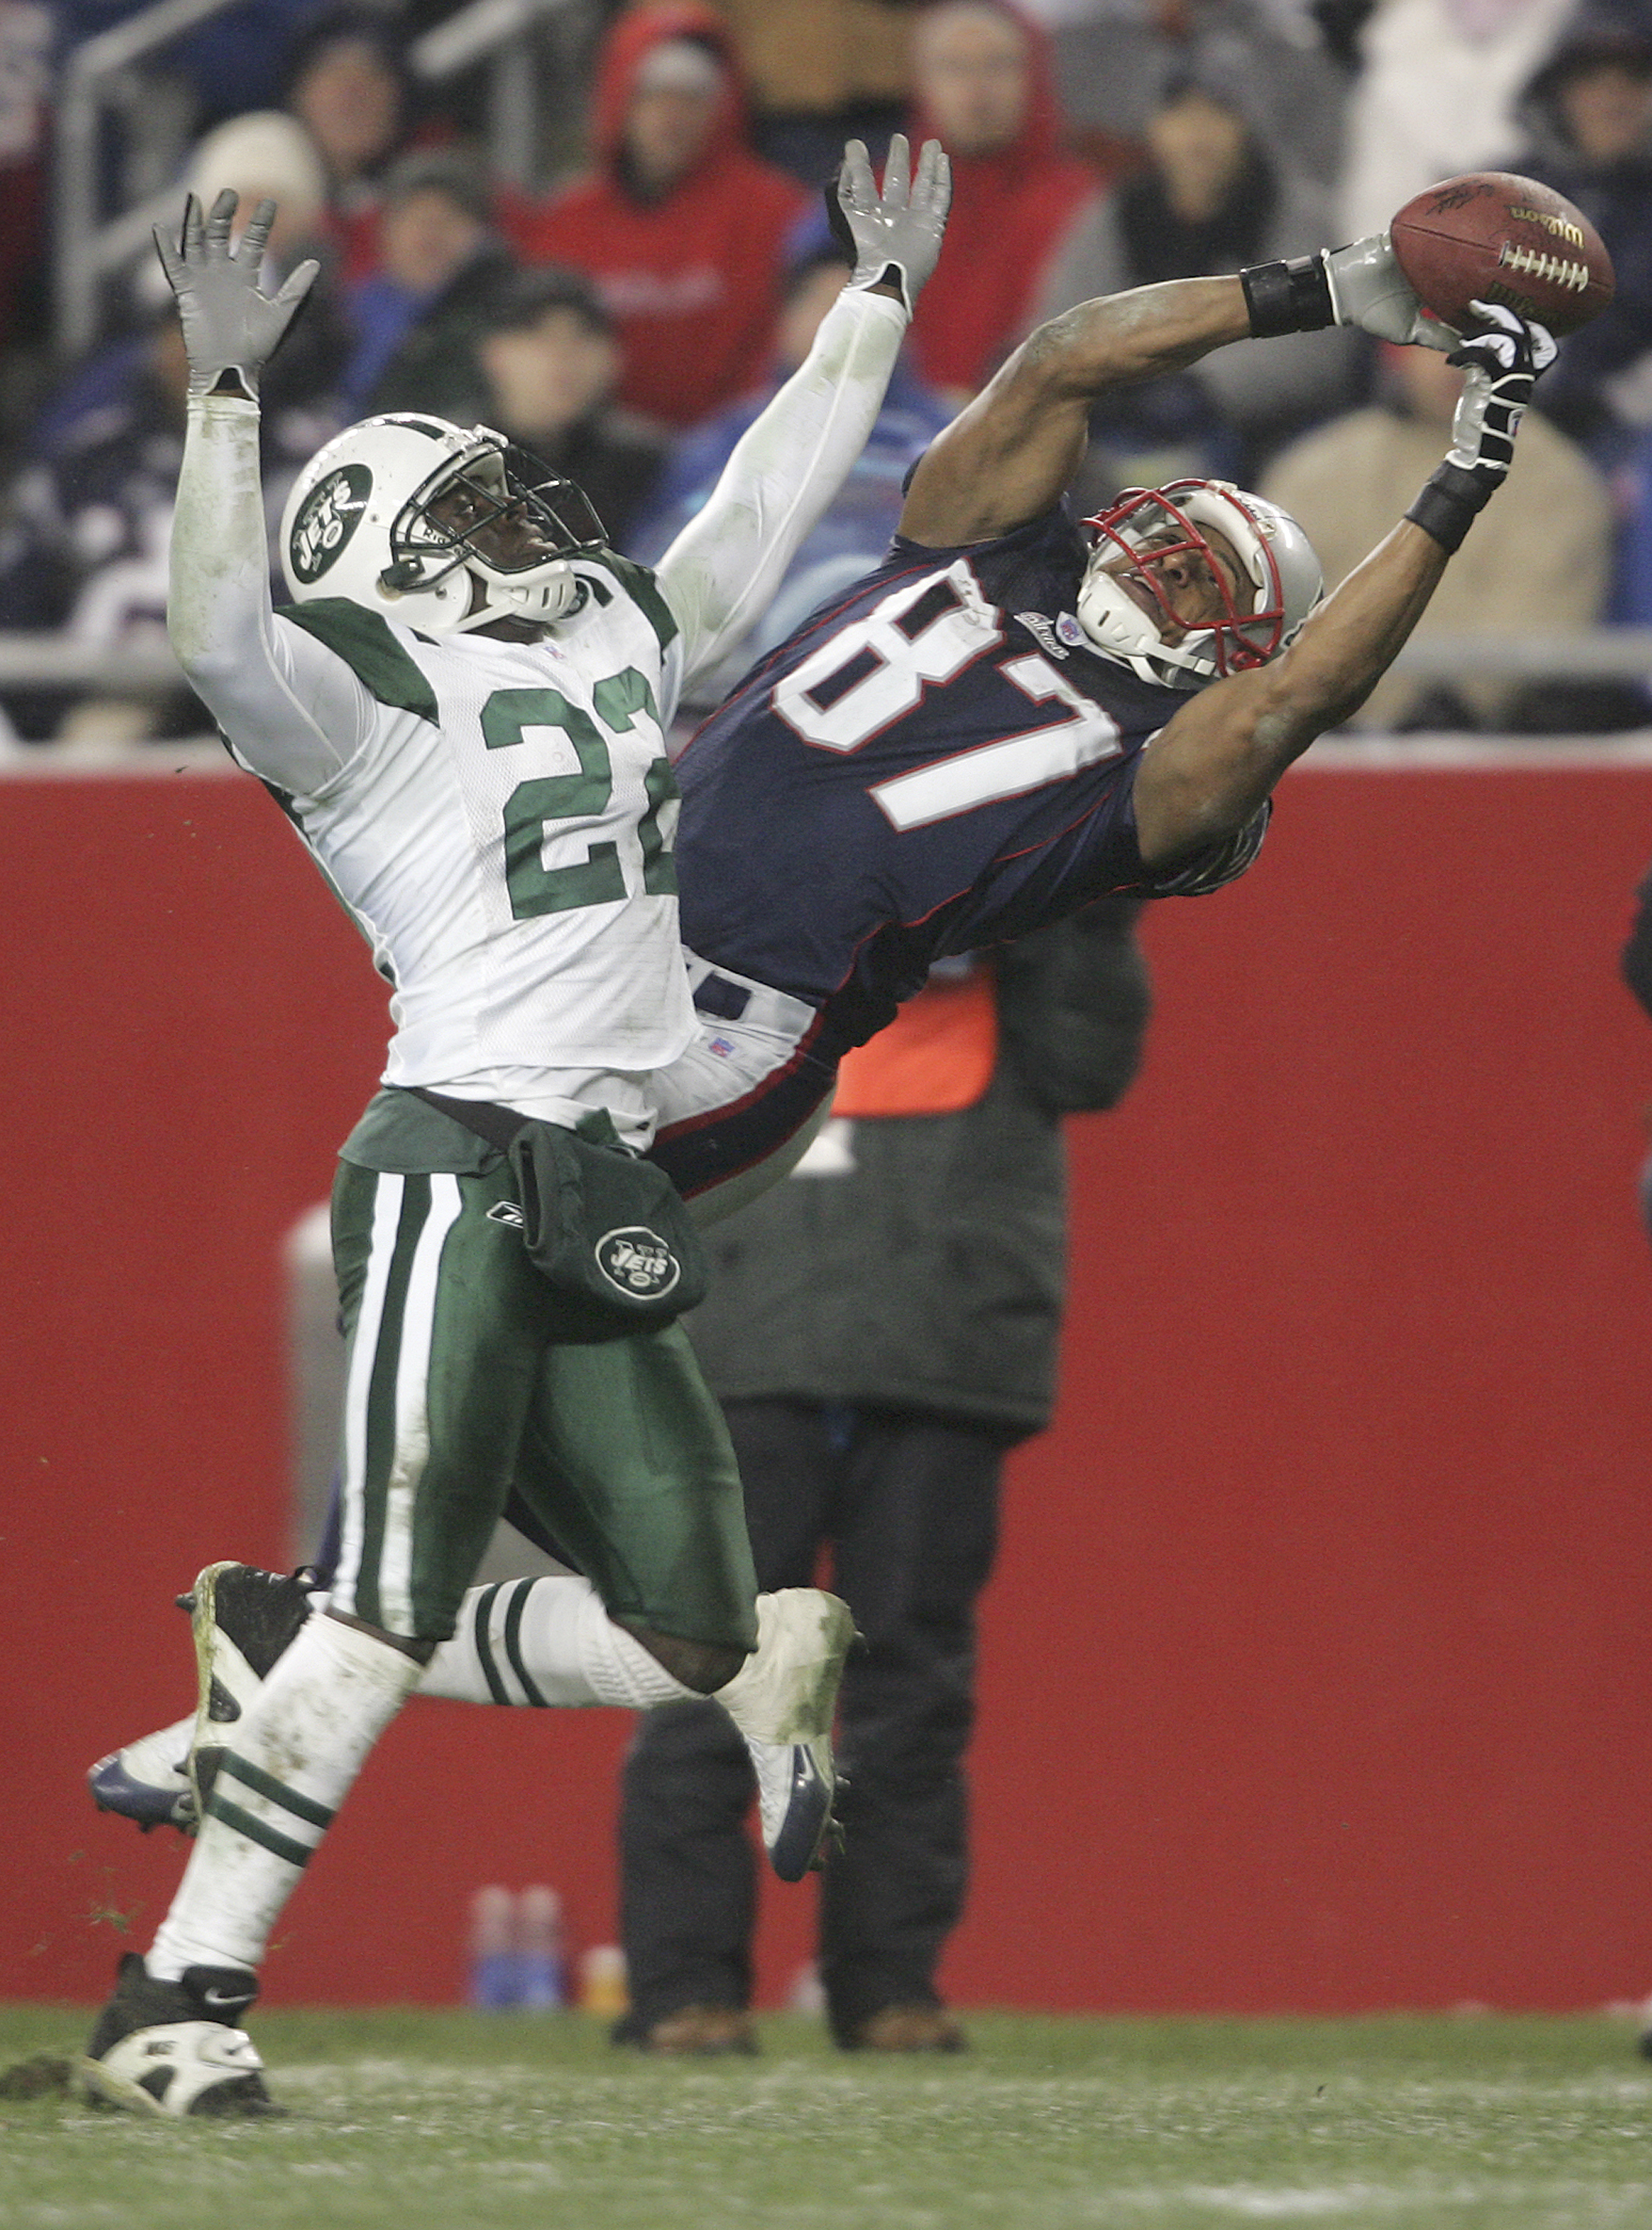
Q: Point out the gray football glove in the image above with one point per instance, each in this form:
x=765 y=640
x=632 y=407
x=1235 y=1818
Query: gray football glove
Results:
x=1499 y=366
x=229 y=326
x=1368 y=289
x=895 y=234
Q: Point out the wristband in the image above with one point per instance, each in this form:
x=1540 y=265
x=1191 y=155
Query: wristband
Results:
x=1448 y=504
x=1287 y=297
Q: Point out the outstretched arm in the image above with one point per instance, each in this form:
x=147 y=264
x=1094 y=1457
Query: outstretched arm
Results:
x=290 y=710
x=1215 y=764
x=723 y=569
x=1012 y=452
x=1212 y=768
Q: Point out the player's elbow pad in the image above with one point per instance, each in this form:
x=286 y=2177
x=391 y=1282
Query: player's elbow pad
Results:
x=1223 y=861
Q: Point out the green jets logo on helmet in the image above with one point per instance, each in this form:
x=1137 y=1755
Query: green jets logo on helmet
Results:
x=330 y=513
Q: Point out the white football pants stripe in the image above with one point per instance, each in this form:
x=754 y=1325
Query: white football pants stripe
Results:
x=413 y=1407
x=411 y=1446
x=386 y=1217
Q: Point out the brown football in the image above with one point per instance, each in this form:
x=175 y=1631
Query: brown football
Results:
x=1490 y=236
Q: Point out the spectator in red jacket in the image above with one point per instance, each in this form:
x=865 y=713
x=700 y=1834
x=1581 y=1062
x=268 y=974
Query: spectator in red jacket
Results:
x=679 y=227
x=982 y=86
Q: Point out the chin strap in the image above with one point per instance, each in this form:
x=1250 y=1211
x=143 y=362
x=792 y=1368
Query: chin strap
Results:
x=520 y=600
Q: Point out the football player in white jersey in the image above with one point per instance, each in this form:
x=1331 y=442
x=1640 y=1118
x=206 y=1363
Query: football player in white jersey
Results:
x=464 y=718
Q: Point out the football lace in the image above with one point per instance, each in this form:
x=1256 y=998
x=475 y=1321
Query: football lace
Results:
x=1549 y=270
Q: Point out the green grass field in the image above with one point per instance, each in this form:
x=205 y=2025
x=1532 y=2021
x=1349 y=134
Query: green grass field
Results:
x=423 y=2121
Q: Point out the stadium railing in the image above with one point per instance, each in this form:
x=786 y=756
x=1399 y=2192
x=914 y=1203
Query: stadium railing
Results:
x=51 y=660
x=144 y=670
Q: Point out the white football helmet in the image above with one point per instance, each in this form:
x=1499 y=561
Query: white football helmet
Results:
x=1275 y=556
x=358 y=524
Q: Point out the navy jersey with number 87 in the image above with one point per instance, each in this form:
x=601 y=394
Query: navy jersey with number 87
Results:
x=938 y=761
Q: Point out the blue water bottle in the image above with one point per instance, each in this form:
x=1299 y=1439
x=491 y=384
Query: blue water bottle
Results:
x=493 y=1950
x=542 y=1964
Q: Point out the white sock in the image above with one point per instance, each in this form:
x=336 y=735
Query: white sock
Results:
x=546 y=1642
x=295 y=1755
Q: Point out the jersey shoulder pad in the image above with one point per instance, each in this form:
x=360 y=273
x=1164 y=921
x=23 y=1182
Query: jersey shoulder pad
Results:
x=364 y=640
x=633 y=580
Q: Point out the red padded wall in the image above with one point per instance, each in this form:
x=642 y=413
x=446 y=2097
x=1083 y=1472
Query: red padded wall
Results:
x=1314 y=1672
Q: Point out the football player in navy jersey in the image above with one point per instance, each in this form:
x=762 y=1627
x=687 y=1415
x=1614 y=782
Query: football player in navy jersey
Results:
x=1016 y=713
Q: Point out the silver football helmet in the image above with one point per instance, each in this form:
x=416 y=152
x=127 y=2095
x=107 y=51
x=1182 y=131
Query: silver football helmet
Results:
x=359 y=524
x=1148 y=525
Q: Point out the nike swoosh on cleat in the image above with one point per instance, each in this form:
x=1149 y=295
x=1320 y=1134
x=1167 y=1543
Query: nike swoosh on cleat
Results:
x=229 y=1998
x=797 y=1849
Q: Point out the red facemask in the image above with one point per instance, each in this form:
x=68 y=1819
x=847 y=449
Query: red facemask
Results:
x=1239 y=640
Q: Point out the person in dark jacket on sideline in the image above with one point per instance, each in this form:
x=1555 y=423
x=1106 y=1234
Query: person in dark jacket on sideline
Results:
x=882 y=1330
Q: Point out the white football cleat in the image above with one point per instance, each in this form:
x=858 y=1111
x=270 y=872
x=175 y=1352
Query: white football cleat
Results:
x=782 y=1700
x=172 y=2048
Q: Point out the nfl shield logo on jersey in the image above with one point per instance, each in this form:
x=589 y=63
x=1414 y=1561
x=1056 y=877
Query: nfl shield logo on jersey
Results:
x=638 y=1262
x=329 y=516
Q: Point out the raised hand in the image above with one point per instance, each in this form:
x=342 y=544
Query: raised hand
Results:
x=1499 y=366
x=229 y=324
x=1368 y=289
x=895 y=234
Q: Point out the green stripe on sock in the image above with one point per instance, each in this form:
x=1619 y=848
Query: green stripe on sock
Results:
x=266 y=1784
x=220 y=1808
x=513 y=1645
x=381 y=1396
x=496 y=1687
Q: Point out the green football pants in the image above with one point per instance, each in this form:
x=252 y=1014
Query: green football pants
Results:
x=466 y=1374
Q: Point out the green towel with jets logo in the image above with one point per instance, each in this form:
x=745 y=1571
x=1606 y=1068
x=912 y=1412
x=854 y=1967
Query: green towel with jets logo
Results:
x=604 y=1226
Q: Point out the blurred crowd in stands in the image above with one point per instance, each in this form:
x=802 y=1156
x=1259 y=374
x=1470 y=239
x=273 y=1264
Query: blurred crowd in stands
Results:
x=624 y=312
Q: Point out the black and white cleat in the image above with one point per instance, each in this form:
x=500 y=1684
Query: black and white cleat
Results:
x=174 y=2048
